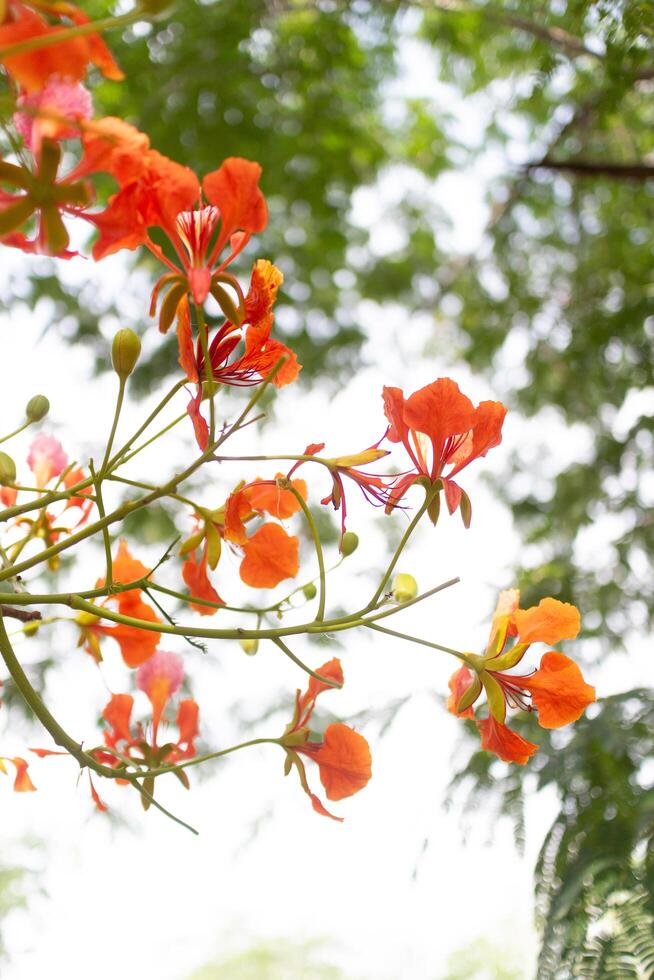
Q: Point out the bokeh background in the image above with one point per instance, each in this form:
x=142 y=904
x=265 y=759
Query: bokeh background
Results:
x=455 y=188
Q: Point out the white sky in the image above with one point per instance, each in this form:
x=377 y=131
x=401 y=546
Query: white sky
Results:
x=150 y=900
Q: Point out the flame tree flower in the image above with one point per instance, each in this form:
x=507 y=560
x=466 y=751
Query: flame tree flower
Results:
x=136 y=645
x=342 y=755
x=556 y=690
x=439 y=427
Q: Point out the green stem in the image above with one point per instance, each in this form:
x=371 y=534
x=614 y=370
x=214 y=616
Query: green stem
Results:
x=69 y=33
x=114 y=426
x=296 y=660
x=151 y=417
x=109 y=581
x=16 y=431
x=208 y=367
x=320 y=615
x=424 y=643
x=398 y=551
x=197 y=760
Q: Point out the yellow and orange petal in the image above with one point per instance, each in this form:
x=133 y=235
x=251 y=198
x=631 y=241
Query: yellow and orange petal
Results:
x=271 y=555
x=187 y=359
x=507 y=745
x=264 y=284
x=548 y=622
x=459 y=683
x=195 y=575
x=558 y=690
x=343 y=760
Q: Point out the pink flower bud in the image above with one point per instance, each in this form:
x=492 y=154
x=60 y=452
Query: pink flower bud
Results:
x=46 y=459
x=53 y=112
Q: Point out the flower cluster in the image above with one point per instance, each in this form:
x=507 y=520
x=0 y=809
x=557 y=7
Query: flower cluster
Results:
x=557 y=689
x=197 y=228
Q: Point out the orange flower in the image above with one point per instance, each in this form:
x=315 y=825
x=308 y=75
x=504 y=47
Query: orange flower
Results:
x=440 y=427
x=557 y=689
x=261 y=352
x=136 y=645
x=342 y=756
x=67 y=59
x=160 y=679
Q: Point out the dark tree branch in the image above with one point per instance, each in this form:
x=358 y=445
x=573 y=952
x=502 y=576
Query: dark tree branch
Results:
x=25 y=615
x=593 y=168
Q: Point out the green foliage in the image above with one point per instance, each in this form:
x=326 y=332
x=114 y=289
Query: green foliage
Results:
x=595 y=871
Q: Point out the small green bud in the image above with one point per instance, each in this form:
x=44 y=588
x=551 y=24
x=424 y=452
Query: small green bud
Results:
x=125 y=352
x=405 y=587
x=249 y=646
x=37 y=408
x=31 y=628
x=7 y=470
x=350 y=543
x=310 y=591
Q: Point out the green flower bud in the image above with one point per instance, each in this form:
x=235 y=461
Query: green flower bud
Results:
x=249 y=646
x=37 y=408
x=350 y=543
x=31 y=628
x=405 y=587
x=7 y=470
x=310 y=591
x=125 y=352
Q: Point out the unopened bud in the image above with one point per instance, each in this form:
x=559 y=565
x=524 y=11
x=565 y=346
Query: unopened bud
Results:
x=249 y=646
x=350 y=543
x=37 y=408
x=405 y=587
x=125 y=352
x=32 y=628
x=309 y=591
x=7 y=470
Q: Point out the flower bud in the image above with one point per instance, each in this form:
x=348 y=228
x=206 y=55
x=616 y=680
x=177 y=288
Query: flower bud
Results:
x=125 y=352
x=37 y=408
x=7 y=470
x=309 y=591
x=349 y=544
x=249 y=646
x=31 y=628
x=405 y=587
